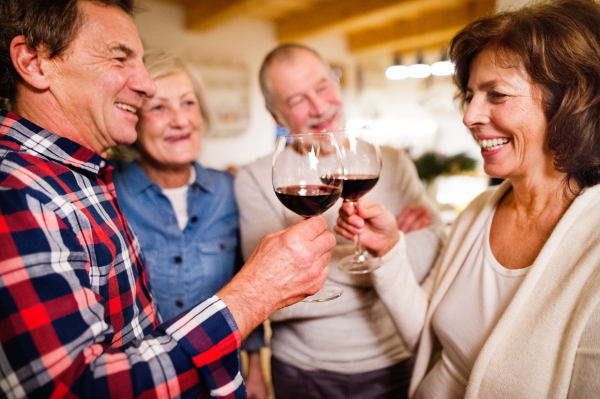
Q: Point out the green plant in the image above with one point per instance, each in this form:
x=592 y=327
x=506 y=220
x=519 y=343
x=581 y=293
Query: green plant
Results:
x=432 y=164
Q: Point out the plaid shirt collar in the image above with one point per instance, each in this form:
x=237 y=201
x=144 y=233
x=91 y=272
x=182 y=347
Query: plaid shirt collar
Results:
x=49 y=145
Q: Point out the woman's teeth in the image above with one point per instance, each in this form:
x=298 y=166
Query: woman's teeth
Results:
x=492 y=144
x=125 y=107
x=175 y=138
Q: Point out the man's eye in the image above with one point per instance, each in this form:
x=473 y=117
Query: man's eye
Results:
x=296 y=102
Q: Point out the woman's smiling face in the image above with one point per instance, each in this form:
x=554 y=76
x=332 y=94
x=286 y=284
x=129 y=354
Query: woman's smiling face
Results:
x=170 y=125
x=506 y=117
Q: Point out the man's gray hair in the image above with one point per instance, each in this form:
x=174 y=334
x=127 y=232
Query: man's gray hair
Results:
x=283 y=52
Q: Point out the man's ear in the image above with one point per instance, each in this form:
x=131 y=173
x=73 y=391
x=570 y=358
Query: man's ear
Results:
x=29 y=63
x=275 y=116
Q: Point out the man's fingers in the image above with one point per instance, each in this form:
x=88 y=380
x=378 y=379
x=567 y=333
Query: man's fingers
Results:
x=411 y=218
x=311 y=228
x=324 y=243
x=408 y=219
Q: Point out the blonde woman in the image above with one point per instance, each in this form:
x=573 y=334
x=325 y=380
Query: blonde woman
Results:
x=184 y=215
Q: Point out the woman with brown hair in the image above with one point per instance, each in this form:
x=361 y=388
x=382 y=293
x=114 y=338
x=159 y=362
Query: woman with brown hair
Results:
x=511 y=308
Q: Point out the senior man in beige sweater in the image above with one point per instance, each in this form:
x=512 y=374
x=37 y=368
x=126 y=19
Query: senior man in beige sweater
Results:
x=347 y=347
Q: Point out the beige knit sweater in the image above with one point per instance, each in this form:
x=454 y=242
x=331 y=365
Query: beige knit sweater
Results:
x=354 y=333
x=547 y=343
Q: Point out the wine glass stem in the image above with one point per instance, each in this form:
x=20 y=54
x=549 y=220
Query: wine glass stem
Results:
x=357 y=246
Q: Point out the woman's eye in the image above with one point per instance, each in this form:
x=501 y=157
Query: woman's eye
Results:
x=157 y=108
x=496 y=96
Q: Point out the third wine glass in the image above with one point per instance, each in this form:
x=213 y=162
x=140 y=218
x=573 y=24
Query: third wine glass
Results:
x=362 y=164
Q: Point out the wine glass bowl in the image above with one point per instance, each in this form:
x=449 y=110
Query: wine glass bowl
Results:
x=362 y=165
x=306 y=171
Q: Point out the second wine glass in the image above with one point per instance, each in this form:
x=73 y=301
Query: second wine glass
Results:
x=362 y=164
x=305 y=167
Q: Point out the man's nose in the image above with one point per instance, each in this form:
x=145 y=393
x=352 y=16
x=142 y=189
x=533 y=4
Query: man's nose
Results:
x=141 y=81
x=319 y=105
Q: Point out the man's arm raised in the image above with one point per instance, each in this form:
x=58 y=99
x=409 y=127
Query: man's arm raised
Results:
x=286 y=267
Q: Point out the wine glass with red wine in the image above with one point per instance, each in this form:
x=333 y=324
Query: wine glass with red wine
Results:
x=362 y=164
x=305 y=171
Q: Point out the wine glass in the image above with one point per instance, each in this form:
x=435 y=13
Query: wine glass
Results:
x=306 y=170
x=362 y=164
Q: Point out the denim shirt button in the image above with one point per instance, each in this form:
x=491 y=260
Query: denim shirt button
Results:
x=222 y=246
x=194 y=219
x=178 y=259
x=178 y=303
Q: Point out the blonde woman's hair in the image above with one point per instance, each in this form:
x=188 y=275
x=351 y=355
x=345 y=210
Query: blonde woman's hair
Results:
x=160 y=63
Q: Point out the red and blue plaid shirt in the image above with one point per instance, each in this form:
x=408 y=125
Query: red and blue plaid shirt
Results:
x=76 y=315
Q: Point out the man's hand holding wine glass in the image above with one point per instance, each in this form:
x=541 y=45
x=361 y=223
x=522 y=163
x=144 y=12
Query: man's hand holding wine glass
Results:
x=376 y=226
x=286 y=267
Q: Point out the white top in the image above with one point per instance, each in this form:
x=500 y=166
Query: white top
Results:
x=467 y=315
x=547 y=342
x=178 y=198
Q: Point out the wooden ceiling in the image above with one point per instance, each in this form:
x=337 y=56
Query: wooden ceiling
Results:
x=369 y=25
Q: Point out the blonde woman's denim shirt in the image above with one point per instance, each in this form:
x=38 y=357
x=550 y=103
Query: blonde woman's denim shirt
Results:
x=185 y=267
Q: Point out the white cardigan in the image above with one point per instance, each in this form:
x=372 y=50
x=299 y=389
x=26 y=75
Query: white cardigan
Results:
x=547 y=343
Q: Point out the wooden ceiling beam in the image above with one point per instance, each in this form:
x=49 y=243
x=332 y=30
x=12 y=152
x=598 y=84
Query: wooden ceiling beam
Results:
x=202 y=15
x=436 y=27
x=350 y=15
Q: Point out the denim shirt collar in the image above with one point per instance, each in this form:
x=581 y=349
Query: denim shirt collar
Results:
x=139 y=181
x=49 y=145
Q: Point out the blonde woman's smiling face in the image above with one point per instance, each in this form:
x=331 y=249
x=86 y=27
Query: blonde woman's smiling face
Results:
x=170 y=125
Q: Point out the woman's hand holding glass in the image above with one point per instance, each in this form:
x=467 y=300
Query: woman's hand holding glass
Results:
x=376 y=226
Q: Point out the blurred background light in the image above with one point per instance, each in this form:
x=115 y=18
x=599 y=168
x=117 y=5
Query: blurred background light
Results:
x=397 y=72
x=442 y=68
x=419 y=71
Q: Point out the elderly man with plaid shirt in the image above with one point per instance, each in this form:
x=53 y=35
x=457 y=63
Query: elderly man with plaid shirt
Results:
x=76 y=314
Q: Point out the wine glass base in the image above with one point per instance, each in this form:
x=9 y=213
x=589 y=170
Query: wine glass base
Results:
x=359 y=264
x=326 y=293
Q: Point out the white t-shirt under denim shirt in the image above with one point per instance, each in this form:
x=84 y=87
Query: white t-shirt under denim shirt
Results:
x=178 y=198
x=467 y=315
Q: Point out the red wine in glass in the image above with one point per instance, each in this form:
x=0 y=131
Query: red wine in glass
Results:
x=308 y=201
x=355 y=186
x=299 y=163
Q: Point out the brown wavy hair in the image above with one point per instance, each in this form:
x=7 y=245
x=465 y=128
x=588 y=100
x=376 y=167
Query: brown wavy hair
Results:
x=49 y=25
x=558 y=44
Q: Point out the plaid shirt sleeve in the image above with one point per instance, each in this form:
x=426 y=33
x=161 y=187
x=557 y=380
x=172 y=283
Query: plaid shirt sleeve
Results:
x=58 y=331
x=54 y=335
